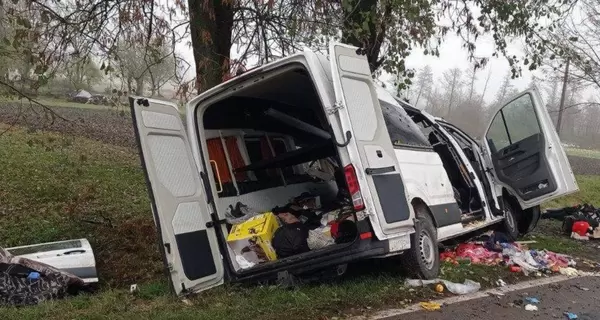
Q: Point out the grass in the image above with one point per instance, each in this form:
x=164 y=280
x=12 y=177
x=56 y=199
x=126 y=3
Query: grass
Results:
x=586 y=153
x=589 y=192
x=55 y=187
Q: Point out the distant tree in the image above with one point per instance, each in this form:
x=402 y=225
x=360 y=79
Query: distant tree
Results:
x=452 y=81
x=504 y=91
x=424 y=83
x=82 y=73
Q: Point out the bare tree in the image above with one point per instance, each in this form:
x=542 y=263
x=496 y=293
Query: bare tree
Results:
x=423 y=84
x=453 y=82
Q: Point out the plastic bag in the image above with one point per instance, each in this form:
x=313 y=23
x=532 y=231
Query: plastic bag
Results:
x=469 y=286
x=318 y=238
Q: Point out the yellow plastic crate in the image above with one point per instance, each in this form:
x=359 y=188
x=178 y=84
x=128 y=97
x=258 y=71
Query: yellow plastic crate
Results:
x=258 y=230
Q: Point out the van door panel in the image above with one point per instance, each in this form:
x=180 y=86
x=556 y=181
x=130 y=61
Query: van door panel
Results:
x=370 y=149
x=389 y=187
x=179 y=203
x=525 y=152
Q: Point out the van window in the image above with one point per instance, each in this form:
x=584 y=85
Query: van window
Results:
x=258 y=149
x=402 y=129
x=514 y=123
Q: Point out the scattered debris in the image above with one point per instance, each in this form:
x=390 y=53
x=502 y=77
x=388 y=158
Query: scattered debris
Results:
x=570 y=315
x=570 y=272
x=583 y=288
x=187 y=302
x=500 y=283
x=430 y=306
x=531 y=307
x=439 y=288
x=469 y=286
x=532 y=300
x=133 y=288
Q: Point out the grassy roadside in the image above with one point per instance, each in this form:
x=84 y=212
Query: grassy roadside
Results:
x=585 y=153
x=55 y=187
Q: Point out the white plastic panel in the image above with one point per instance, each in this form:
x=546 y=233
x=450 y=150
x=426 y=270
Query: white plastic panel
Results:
x=186 y=218
x=360 y=106
x=172 y=165
x=160 y=120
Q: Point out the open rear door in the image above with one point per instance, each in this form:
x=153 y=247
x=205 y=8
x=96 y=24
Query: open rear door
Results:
x=370 y=148
x=525 y=152
x=179 y=204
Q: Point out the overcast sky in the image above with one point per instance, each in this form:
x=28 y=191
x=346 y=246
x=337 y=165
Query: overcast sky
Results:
x=452 y=55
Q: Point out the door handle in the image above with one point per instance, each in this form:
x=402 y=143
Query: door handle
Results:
x=373 y=171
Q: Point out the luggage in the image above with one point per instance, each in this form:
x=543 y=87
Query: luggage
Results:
x=291 y=239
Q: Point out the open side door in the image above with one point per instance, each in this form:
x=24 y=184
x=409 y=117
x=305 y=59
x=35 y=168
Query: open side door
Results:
x=525 y=153
x=179 y=203
x=370 y=147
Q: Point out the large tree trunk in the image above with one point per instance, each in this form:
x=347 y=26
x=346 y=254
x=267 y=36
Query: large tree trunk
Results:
x=211 y=23
x=139 y=87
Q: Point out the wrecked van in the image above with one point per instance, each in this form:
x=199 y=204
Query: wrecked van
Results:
x=384 y=178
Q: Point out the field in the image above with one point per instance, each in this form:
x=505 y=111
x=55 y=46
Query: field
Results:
x=82 y=178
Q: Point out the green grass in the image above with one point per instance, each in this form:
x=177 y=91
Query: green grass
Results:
x=586 y=153
x=55 y=187
x=589 y=192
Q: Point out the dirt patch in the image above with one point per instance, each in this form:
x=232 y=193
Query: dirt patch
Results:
x=108 y=126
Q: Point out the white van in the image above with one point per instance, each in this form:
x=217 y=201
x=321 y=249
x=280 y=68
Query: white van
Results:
x=318 y=124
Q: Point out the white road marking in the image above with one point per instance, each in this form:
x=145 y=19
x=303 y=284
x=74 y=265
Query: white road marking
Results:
x=394 y=313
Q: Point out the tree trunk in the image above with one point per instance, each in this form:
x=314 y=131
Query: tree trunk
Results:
x=139 y=87
x=211 y=23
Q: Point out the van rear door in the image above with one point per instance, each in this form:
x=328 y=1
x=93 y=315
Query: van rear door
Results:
x=525 y=153
x=370 y=148
x=179 y=203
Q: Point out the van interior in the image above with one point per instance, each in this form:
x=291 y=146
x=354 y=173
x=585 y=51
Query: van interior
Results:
x=465 y=192
x=277 y=175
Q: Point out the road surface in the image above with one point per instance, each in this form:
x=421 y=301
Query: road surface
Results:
x=580 y=296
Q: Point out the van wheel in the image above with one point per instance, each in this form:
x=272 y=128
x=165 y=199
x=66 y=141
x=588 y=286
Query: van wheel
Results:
x=510 y=225
x=423 y=258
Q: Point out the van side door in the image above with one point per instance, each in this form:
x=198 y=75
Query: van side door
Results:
x=524 y=151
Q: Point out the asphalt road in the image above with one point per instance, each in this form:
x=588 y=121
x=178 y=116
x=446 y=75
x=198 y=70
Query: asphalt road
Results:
x=555 y=300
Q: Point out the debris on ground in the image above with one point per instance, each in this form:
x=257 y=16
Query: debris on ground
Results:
x=580 y=222
x=570 y=272
x=469 y=286
x=498 y=250
x=583 y=288
x=531 y=307
x=532 y=300
x=430 y=306
x=570 y=315
x=27 y=282
x=500 y=283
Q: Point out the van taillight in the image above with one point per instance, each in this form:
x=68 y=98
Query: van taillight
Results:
x=354 y=187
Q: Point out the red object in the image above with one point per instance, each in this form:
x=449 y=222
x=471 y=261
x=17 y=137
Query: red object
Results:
x=334 y=229
x=354 y=187
x=581 y=227
x=514 y=268
x=366 y=235
x=477 y=253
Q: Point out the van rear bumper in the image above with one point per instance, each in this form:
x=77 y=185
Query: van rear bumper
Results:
x=360 y=249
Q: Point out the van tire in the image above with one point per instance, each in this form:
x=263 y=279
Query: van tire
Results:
x=422 y=260
x=510 y=224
